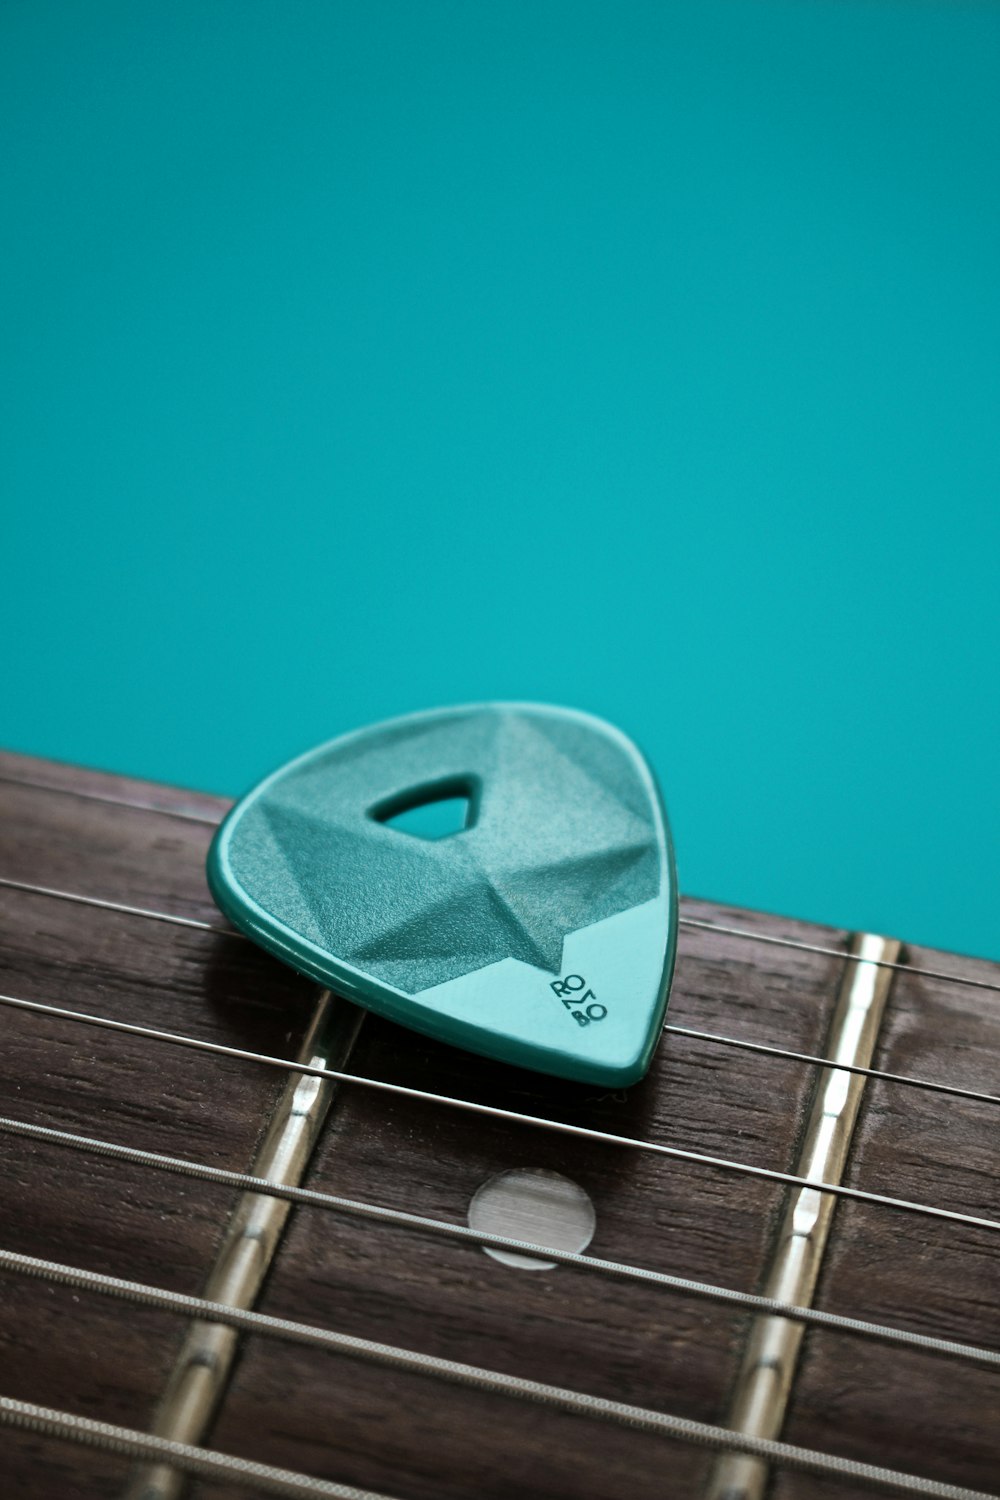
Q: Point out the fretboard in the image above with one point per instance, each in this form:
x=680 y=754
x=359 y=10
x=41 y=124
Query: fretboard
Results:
x=616 y=1373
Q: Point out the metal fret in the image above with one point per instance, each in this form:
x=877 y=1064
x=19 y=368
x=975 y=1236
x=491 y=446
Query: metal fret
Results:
x=202 y=1369
x=815 y=1188
x=764 y=1382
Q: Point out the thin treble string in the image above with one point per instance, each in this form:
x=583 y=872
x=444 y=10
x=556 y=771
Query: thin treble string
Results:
x=859 y=958
x=737 y=932
x=954 y=1090
x=576 y=1403
x=170 y=917
x=492 y=1111
x=312 y=1198
x=684 y=1031
x=692 y=922
x=789 y=1055
x=188 y=815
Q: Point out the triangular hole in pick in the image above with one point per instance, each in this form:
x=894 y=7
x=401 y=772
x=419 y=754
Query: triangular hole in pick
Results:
x=341 y=864
x=431 y=812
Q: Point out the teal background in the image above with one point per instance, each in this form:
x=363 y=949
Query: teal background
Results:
x=365 y=357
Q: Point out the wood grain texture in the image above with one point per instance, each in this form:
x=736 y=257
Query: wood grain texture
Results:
x=916 y=1412
x=413 y=1436
x=86 y=1354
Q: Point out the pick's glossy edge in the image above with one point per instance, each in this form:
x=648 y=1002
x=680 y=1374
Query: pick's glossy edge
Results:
x=313 y=962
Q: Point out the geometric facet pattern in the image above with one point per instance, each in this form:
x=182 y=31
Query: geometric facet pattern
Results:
x=565 y=849
x=561 y=840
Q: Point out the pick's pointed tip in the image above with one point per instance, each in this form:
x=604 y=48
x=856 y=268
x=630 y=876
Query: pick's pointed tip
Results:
x=568 y=854
x=611 y=1074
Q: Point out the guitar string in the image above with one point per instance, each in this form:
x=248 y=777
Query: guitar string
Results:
x=788 y=1054
x=312 y=1198
x=497 y=1383
x=208 y=819
x=188 y=815
x=932 y=1085
x=695 y=923
x=214 y=822
x=127 y=1442
x=726 y=1437
x=879 y=963
x=491 y=1111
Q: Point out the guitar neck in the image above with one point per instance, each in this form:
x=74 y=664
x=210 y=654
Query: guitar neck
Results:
x=699 y=1179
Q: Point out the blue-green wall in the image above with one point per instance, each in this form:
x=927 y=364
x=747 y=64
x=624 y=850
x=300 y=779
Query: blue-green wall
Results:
x=360 y=357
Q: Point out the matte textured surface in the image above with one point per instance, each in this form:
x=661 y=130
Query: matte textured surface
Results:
x=563 y=876
x=361 y=356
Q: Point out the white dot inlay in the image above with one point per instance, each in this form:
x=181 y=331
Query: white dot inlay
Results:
x=543 y=1207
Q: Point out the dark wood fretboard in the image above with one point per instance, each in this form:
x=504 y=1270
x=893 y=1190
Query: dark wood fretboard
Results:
x=408 y=1433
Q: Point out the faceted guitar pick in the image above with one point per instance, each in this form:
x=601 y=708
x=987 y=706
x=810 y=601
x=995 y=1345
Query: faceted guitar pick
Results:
x=542 y=931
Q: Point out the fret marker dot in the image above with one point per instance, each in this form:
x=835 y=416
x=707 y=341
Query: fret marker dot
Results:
x=543 y=1207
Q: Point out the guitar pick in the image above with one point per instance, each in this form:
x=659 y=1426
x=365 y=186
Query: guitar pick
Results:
x=542 y=931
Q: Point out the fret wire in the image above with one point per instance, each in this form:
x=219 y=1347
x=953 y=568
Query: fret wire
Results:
x=127 y=1442
x=576 y=1403
x=765 y=1048
x=312 y=1198
x=516 y=1117
x=692 y=922
x=714 y=1038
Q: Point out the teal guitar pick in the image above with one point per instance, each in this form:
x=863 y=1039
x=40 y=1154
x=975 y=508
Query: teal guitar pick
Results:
x=538 y=926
